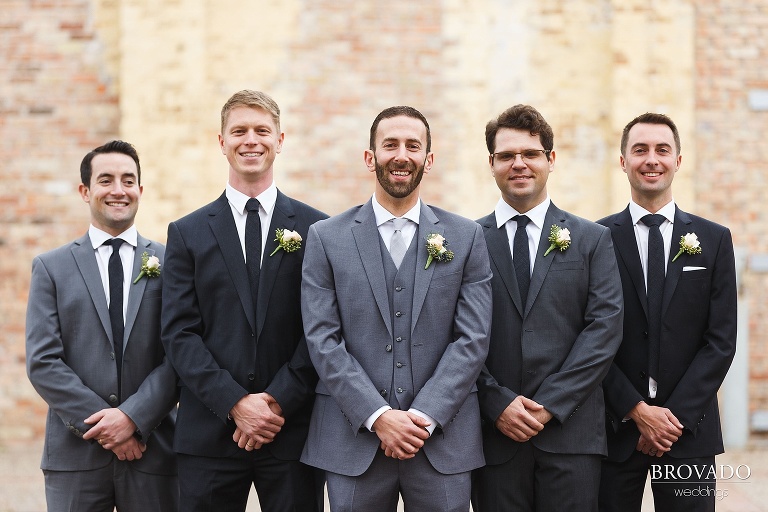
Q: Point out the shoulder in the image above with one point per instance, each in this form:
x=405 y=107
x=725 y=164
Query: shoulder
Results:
x=304 y=210
x=194 y=218
x=453 y=220
x=62 y=252
x=574 y=222
x=341 y=221
x=703 y=224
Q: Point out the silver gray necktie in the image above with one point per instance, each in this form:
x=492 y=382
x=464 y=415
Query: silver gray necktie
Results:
x=397 y=246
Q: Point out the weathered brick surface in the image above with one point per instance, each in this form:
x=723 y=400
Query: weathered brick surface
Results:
x=74 y=74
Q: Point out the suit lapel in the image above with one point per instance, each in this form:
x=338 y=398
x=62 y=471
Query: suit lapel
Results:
x=428 y=224
x=623 y=233
x=366 y=235
x=85 y=259
x=136 y=291
x=223 y=227
x=674 y=270
x=282 y=218
x=498 y=247
x=541 y=265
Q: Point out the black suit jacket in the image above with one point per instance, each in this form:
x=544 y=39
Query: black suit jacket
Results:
x=698 y=336
x=221 y=348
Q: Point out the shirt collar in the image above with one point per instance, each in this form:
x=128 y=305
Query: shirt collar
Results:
x=383 y=215
x=504 y=212
x=98 y=237
x=638 y=212
x=237 y=199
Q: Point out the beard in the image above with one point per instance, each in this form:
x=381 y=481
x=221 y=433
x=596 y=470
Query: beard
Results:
x=399 y=190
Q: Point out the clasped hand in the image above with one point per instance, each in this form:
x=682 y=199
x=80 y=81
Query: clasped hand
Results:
x=113 y=430
x=258 y=418
x=402 y=433
x=522 y=419
x=659 y=429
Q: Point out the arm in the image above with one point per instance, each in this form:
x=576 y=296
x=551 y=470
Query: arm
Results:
x=457 y=372
x=47 y=366
x=593 y=350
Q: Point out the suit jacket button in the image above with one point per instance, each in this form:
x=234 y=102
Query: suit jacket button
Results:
x=251 y=376
x=388 y=348
x=113 y=398
x=643 y=375
x=112 y=356
x=383 y=392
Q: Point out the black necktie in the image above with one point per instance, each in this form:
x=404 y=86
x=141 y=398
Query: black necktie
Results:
x=654 y=290
x=253 y=247
x=521 y=257
x=115 y=268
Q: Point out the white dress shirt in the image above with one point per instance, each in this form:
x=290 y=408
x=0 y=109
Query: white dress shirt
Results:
x=103 y=252
x=505 y=213
x=237 y=202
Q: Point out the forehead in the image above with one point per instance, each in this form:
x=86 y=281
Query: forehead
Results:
x=508 y=139
x=249 y=116
x=112 y=163
x=650 y=135
x=401 y=128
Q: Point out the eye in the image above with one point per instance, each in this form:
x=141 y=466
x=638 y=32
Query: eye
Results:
x=504 y=157
x=414 y=147
x=663 y=151
x=531 y=154
x=638 y=151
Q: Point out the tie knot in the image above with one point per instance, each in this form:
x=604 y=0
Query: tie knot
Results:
x=522 y=220
x=115 y=243
x=653 y=219
x=252 y=205
x=399 y=223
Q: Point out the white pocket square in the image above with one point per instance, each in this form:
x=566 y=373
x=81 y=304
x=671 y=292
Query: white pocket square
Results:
x=688 y=269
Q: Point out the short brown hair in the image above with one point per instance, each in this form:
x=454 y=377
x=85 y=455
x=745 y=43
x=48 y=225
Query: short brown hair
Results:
x=650 y=118
x=520 y=117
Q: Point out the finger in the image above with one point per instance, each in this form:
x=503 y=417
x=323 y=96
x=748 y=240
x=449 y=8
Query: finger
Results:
x=530 y=404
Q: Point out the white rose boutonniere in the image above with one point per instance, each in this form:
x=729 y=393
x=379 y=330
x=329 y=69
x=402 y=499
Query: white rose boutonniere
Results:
x=689 y=244
x=559 y=238
x=150 y=267
x=436 y=249
x=287 y=240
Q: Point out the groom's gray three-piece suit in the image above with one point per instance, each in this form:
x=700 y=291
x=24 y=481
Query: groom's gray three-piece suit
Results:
x=408 y=338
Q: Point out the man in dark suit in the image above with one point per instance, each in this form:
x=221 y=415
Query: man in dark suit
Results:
x=232 y=329
x=557 y=314
x=661 y=391
x=94 y=353
x=397 y=323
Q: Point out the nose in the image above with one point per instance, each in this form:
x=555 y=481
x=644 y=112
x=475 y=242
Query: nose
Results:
x=251 y=137
x=117 y=189
x=518 y=162
x=402 y=154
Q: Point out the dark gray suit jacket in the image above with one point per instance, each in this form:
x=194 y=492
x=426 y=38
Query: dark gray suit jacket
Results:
x=70 y=358
x=557 y=348
x=348 y=327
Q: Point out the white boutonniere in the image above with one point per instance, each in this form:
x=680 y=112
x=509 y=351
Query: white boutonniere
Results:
x=287 y=240
x=689 y=244
x=436 y=249
x=559 y=238
x=150 y=267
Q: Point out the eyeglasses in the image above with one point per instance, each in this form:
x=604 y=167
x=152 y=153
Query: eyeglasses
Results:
x=528 y=155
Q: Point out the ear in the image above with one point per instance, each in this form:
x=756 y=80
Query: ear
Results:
x=280 y=140
x=85 y=193
x=623 y=163
x=428 y=162
x=370 y=160
x=221 y=144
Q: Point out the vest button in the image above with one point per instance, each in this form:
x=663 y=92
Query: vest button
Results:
x=398 y=339
x=398 y=288
x=400 y=390
x=399 y=364
x=398 y=314
x=383 y=392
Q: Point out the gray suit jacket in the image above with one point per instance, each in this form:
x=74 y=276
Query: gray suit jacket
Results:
x=557 y=348
x=348 y=329
x=70 y=358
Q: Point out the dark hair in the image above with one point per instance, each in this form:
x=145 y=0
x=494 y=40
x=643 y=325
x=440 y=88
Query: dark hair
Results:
x=399 y=111
x=115 y=146
x=650 y=118
x=520 y=117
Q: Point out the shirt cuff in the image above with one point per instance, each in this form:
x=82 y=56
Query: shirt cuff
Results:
x=432 y=424
x=373 y=417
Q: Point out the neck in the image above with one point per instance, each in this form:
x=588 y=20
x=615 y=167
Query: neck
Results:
x=395 y=205
x=652 y=204
x=252 y=187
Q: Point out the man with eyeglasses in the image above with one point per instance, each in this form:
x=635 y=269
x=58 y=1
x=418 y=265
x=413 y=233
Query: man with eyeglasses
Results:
x=557 y=320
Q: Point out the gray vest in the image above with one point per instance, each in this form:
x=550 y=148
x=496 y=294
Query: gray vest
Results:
x=400 y=284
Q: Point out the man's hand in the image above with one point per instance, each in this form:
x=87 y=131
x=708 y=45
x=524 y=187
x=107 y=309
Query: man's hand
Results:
x=402 y=433
x=111 y=427
x=258 y=419
x=522 y=419
x=130 y=449
x=658 y=427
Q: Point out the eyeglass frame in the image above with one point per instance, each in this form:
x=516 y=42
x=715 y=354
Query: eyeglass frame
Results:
x=545 y=152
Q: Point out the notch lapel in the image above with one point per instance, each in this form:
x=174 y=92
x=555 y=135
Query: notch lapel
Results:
x=366 y=235
x=428 y=224
x=89 y=269
x=674 y=270
x=136 y=291
x=541 y=265
x=222 y=225
x=624 y=240
x=498 y=247
x=282 y=218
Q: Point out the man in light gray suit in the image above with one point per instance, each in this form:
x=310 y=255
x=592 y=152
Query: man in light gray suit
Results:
x=557 y=323
x=94 y=353
x=396 y=305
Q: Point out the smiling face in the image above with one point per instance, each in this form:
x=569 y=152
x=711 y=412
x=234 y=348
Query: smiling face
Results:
x=113 y=193
x=250 y=140
x=650 y=161
x=523 y=183
x=399 y=159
